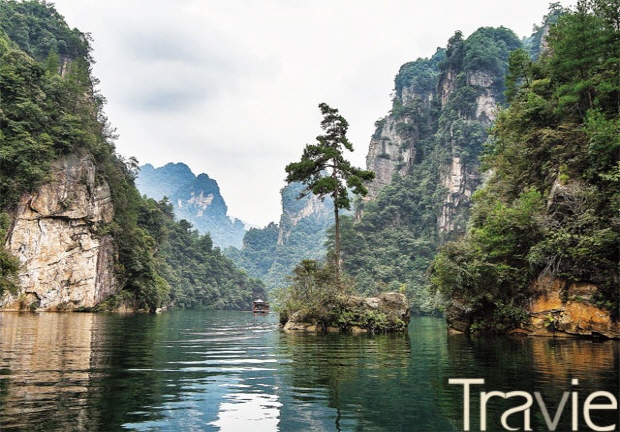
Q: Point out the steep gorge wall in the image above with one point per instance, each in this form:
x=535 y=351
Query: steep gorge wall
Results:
x=66 y=263
x=394 y=147
x=425 y=153
x=459 y=177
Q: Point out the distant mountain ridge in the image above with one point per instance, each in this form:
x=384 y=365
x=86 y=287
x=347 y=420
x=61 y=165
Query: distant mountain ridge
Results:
x=196 y=198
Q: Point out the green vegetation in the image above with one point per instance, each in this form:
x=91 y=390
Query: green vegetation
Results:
x=49 y=109
x=392 y=246
x=419 y=76
x=325 y=171
x=320 y=293
x=312 y=293
x=271 y=253
x=317 y=295
x=199 y=275
x=550 y=206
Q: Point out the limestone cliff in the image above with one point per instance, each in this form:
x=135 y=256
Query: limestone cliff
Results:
x=461 y=177
x=67 y=263
x=312 y=211
x=69 y=209
x=394 y=144
x=391 y=151
x=425 y=154
x=395 y=148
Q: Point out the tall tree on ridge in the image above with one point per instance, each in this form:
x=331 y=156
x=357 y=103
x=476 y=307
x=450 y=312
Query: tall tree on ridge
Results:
x=325 y=171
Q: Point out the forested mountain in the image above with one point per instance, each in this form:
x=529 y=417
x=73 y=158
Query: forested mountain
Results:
x=75 y=231
x=199 y=275
x=272 y=252
x=194 y=198
x=548 y=215
x=501 y=153
x=425 y=153
x=539 y=249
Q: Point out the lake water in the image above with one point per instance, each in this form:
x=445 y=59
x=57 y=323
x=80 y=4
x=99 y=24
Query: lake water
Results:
x=233 y=371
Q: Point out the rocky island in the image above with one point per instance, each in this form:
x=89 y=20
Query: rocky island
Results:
x=386 y=313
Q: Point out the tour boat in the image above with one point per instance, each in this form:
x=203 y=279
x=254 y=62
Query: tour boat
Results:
x=260 y=306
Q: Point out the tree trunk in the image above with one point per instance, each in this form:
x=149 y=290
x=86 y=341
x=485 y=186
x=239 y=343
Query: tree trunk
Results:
x=337 y=227
x=337 y=244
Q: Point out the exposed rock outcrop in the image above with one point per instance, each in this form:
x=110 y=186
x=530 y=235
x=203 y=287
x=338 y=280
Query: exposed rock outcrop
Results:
x=389 y=312
x=389 y=152
x=557 y=308
x=394 y=146
x=560 y=308
x=458 y=178
x=317 y=211
x=66 y=262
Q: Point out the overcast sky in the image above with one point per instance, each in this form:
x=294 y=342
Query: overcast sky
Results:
x=232 y=87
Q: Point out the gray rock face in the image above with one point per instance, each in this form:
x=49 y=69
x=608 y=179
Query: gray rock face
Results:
x=394 y=146
x=66 y=264
x=389 y=153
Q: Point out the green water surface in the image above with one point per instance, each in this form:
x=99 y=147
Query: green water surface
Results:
x=233 y=371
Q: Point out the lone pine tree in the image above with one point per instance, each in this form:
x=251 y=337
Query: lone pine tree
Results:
x=325 y=172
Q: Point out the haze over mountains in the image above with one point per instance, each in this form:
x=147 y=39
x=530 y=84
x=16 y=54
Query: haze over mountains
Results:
x=195 y=198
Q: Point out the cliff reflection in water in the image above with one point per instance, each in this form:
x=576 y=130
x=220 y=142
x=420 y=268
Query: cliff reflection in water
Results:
x=45 y=366
x=183 y=370
x=531 y=364
x=68 y=371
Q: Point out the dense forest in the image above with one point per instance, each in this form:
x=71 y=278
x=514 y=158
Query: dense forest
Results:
x=50 y=108
x=550 y=205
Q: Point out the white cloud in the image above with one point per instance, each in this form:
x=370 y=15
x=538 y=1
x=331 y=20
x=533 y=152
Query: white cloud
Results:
x=232 y=87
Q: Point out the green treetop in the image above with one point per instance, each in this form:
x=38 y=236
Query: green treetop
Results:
x=325 y=171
